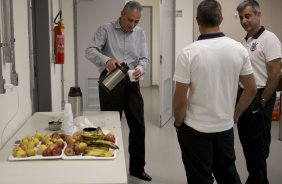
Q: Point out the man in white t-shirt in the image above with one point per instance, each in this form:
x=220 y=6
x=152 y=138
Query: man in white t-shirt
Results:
x=209 y=70
x=255 y=123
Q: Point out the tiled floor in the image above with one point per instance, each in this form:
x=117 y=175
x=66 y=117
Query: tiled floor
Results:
x=163 y=155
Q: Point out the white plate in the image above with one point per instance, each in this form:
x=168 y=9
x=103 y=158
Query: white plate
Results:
x=81 y=157
x=37 y=157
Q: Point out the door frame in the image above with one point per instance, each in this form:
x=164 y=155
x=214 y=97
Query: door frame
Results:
x=151 y=49
x=40 y=62
x=166 y=82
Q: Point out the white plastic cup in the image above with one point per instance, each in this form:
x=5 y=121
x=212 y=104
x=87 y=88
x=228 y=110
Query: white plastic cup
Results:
x=68 y=125
x=131 y=77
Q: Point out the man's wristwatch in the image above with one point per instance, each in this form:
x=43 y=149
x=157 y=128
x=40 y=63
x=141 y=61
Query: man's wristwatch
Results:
x=263 y=102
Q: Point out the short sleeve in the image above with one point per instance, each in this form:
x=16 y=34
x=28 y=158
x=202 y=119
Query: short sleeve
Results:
x=182 y=68
x=247 y=67
x=272 y=48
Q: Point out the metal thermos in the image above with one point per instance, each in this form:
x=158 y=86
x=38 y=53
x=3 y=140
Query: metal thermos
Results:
x=75 y=99
x=114 y=77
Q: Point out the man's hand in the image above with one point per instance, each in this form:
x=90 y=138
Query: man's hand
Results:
x=236 y=118
x=178 y=125
x=136 y=74
x=111 y=64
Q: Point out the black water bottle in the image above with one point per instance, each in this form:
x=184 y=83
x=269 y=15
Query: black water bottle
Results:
x=114 y=77
x=75 y=99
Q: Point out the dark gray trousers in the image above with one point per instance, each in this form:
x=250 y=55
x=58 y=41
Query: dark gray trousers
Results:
x=126 y=96
x=206 y=155
x=254 y=128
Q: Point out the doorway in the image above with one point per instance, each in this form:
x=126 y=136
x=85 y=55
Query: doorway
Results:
x=87 y=20
x=40 y=56
x=87 y=72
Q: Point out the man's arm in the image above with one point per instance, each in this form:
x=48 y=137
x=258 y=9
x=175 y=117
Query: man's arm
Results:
x=93 y=51
x=274 y=71
x=180 y=103
x=144 y=57
x=248 y=94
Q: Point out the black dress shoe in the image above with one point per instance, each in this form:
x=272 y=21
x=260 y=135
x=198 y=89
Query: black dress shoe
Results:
x=142 y=176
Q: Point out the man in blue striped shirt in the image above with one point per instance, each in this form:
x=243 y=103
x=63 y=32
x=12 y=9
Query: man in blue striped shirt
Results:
x=113 y=43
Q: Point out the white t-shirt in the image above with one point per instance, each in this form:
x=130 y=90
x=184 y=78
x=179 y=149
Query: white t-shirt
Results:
x=262 y=47
x=212 y=67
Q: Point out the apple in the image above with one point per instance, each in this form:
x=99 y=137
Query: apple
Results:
x=23 y=146
x=69 y=151
x=15 y=150
x=60 y=144
x=63 y=136
x=46 y=153
x=28 y=137
x=48 y=143
x=76 y=135
x=110 y=137
x=69 y=139
x=82 y=146
x=36 y=140
x=60 y=139
x=30 y=152
x=56 y=151
x=52 y=146
x=46 y=138
x=77 y=150
x=56 y=135
x=38 y=136
x=41 y=148
x=25 y=141
x=20 y=154
x=31 y=144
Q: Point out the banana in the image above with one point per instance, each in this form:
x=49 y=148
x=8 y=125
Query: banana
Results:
x=105 y=143
x=97 y=139
x=99 y=131
x=108 y=154
x=98 y=147
x=86 y=136
x=95 y=152
x=99 y=153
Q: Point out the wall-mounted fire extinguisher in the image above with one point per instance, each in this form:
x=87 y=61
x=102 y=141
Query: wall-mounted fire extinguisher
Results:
x=59 y=44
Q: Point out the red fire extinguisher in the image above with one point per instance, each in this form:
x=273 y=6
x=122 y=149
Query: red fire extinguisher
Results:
x=59 y=44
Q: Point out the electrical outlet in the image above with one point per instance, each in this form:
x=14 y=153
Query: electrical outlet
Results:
x=2 y=83
x=14 y=79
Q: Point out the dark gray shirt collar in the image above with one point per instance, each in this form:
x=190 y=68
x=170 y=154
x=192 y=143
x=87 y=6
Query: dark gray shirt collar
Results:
x=260 y=31
x=209 y=36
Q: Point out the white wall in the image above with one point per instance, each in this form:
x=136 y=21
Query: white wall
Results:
x=55 y=69
x=183 y=25
x=15 y=104
x=12 y=115
x=69 y=66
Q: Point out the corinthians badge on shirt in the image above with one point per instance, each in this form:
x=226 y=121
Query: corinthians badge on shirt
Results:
x=254 y=46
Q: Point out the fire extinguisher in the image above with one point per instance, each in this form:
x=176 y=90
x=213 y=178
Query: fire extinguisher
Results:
x=59 y=44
